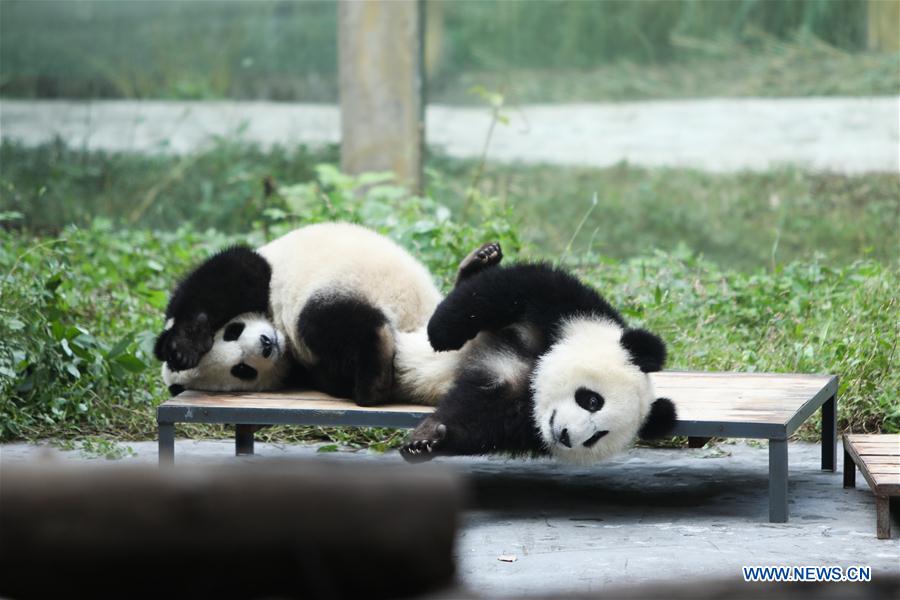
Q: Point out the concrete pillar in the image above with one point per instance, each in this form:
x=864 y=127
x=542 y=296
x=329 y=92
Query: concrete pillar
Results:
x=382 y=87
x=884 y=25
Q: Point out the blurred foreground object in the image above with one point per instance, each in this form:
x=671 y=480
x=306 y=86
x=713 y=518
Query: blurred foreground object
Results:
x=382 y=88
x=281 y=529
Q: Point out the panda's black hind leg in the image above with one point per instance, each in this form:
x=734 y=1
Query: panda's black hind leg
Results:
x=486 y=255
x=354 y=348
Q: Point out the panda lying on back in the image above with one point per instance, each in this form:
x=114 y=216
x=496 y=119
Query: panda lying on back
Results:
x=544 y=366
x=324 y=301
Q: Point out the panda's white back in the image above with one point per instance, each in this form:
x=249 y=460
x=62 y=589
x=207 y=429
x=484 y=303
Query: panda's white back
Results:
x=346 y=259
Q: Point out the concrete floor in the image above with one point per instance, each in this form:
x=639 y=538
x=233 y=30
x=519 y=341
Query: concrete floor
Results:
x=649 y=515
x=845 y=135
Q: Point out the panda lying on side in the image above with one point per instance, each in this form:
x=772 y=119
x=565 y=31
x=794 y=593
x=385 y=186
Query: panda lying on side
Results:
x=324 y=301
x=544 y=366
x=529 y=360
x=249 y=351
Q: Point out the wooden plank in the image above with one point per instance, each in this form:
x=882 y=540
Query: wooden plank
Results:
x=887 y=483
x=287 y=402
x=727 y=398
x=874 y=437
x=382 y=88
x=881 y=459
x=876 y=444
x=868 y=450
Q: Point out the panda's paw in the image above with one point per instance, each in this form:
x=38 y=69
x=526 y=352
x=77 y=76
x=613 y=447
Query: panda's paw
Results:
x=188 y=343
x=484 y=256
x=425 y=442
x=489 y=254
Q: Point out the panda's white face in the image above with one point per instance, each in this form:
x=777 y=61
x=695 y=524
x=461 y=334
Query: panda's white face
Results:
x=590 y=399
x=248 y=354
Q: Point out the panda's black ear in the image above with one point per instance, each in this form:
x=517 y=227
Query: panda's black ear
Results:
x=647 y=351
x=176 y=389
x=660 y=421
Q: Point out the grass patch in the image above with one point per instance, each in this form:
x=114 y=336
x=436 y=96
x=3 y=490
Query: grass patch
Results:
x=54 y=185
x=80 y=310
x=742 y=220
x=745 y=220
x=723 y=68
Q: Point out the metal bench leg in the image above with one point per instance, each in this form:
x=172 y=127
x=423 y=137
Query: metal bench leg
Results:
x=849 y=470
x=243 y=439
x=883 y=517
x=829 y=434
x=778 y=481
x=166 y=444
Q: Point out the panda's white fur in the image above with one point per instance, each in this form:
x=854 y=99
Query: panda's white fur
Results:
x=342 y=258
x=589 y=356
x=422 y=376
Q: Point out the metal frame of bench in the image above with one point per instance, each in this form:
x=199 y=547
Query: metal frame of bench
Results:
x=767 y=406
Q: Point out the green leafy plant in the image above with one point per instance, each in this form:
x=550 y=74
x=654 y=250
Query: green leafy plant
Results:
x=79 y=310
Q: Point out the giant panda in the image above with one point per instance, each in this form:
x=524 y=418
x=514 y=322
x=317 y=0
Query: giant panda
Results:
x=323 y=303
x=521 y=359
x=543 y=365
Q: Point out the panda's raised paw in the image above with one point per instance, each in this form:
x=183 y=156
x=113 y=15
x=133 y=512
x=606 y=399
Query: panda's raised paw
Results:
x=484 y=256
x=489 y=254
x=425 y=441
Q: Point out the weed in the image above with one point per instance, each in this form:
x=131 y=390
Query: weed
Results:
x=80 y=308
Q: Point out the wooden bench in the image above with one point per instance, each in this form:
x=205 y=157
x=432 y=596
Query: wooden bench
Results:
x=737 y=405
x=878 y=459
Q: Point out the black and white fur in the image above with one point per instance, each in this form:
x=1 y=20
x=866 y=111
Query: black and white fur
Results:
x=333 y=295
x=544 y=365
x=521 y=359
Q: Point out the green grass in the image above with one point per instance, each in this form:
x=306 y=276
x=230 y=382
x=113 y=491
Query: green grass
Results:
x=802 y=66
x=743 y=220
x=79 y=307
x=537 y=51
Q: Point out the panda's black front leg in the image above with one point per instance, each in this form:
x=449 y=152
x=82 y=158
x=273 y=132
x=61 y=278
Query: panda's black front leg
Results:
x=184 y=343
x=232 y=282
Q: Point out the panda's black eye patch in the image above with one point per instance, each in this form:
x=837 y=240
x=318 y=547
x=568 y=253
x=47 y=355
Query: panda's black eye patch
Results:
x=589 y=400
x=233 y=331
x=244 y=371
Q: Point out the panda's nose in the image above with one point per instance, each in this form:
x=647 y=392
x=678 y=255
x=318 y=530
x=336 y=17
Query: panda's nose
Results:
x=564 y=438
x=267 y=345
